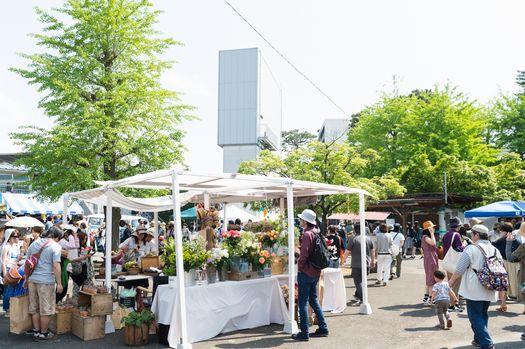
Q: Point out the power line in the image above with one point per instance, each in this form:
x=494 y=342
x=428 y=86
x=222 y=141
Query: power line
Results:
x=288 y=61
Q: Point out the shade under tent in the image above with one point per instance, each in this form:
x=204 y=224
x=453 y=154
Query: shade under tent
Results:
x=216 y=188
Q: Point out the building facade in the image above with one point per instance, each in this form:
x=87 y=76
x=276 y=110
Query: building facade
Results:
x=334 y=130
x=249 y=108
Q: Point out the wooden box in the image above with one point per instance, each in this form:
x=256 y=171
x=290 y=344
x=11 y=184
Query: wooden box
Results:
x=97 y=304
x=88 y=328
x=148 y=262
x=19 y=318
x=61 y=323
x=238 y=276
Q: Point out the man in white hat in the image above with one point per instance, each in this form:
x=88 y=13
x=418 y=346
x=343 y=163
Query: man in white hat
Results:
x=478 y=296
x=307 y=280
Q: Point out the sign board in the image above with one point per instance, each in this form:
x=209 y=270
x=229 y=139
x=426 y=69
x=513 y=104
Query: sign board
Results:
x=390 y=221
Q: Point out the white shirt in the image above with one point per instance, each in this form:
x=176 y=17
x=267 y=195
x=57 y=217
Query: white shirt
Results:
x=71 y=245
x=129 y=243
x=470 y=287
x=398 y=239
x=147 y=248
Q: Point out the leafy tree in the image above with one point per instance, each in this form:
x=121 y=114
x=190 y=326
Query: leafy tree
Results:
x=509 y=130
x=294 y=139
x=434 y=123
x=330 y=163
x=99 y=72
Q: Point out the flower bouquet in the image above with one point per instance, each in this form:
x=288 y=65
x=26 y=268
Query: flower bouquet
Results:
x=194 y=256
x=268 y=239
x=217 y=258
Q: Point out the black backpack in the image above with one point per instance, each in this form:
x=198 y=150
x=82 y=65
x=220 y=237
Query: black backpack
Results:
x=320 y=256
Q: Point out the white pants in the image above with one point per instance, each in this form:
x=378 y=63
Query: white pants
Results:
x=383 y=267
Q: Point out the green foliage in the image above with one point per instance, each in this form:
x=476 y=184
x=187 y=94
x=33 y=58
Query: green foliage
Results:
x=194 y=255
x=99 y=74
x=294 y=139
x=509 y=130
x=331 y=163
x=436 y=123
x=137 y=319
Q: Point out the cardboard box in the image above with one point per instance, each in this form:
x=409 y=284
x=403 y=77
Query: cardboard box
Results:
x=19 y=318
x=88 y=328
x=97 y=304
x=60 y=323
x=148 y=262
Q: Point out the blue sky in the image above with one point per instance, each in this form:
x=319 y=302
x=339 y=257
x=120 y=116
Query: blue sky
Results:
x=352 y=49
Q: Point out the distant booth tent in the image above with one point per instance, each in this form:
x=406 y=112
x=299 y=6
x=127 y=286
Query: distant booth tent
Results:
x=213 y=188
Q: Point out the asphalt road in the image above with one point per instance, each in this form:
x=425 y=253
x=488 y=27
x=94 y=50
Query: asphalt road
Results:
x=399 y=320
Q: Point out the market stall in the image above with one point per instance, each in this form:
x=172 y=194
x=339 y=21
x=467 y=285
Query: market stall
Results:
x=498 y=209
x=214 y=188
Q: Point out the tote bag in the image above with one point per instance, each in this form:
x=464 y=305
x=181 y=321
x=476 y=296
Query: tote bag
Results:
x=451 y=259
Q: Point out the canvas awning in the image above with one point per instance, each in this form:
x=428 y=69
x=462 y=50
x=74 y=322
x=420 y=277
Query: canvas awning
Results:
x=369 y=216
x=498 y=209
x=29 y=204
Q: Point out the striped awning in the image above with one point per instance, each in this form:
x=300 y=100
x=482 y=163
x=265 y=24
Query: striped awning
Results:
x=30 y=204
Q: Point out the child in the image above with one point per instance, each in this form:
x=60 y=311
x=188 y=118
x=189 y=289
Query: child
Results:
x=441 y=295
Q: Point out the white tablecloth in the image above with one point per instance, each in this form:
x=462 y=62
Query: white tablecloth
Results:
x=221 y=307
x=334 y=295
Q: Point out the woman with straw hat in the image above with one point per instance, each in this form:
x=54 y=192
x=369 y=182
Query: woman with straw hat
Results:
x=430 y=258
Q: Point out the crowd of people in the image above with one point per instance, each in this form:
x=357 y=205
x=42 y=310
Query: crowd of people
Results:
x=59 y=252
x=482 y=266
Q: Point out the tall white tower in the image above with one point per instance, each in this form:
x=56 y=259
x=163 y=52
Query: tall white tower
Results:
x=249 y=107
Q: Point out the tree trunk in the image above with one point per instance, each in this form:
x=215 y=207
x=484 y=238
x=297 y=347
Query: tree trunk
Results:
x=115 y=236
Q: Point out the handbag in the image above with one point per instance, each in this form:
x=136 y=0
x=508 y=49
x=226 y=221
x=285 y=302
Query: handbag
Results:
x=450 y=261
x=12 y=277
x=441 y=252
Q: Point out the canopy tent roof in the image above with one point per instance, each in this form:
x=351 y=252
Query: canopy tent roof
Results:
x=498 y=209
x=369 y=216
x=221 y=188
x=30 y=204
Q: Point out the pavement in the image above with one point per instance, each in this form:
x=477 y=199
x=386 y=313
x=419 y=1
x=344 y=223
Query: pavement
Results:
x=399 y=320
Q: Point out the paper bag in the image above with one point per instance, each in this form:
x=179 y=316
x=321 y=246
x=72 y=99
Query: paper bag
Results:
x=19 y=318
x=118 y=314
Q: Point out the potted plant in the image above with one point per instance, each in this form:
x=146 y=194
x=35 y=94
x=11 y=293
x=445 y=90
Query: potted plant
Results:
x=132 y=267
x=137 y=327
x=194 y=257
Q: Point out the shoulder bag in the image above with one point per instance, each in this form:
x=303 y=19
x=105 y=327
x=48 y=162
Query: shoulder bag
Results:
x=450 y=261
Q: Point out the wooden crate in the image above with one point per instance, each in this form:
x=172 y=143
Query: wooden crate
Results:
x=148 y=262
x=61 y=323
x=237 y=276
x=97 y=304
x=88 y=328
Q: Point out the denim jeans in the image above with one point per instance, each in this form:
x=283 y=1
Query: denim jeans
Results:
x=478 y=316
x=334 y=263
x=307 y=286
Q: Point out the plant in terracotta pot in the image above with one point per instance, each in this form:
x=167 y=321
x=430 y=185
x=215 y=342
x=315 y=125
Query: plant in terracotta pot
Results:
x=137 y=326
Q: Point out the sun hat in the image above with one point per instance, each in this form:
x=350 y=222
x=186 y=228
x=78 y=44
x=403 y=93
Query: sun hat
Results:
x=428 y=224
x=475 y=221
x=308 y=216
x=141 y=230
x=455 y=222
x=151 y=232
x=479 y=228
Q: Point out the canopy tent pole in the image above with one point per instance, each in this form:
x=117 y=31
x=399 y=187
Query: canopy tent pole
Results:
x=291 y=326
x=365 y=307
x=156 y=230
x=281 y=206
x=224 y=220
x=183 y=342
x=65 y=201
x=109 y=327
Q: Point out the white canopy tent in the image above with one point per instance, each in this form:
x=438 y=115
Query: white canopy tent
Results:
x=220 y=188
